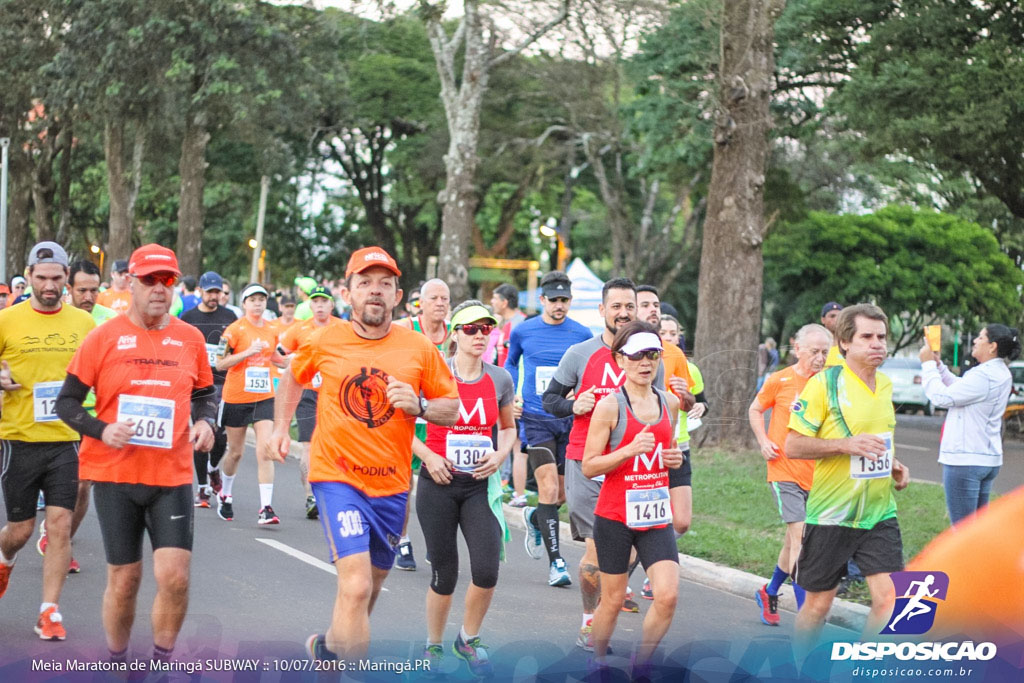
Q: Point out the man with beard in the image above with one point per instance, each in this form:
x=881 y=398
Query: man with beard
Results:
x=40 y=453
x=588 y=370
x=540 y=343
x=383 y=377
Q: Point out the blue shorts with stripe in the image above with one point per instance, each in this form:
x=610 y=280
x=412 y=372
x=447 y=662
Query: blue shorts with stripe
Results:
x=354 y=522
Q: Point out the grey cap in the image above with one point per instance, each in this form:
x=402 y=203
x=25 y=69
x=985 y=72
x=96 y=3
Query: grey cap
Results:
x=48 y=252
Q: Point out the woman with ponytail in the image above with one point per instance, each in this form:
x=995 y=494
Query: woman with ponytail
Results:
x=971 y=449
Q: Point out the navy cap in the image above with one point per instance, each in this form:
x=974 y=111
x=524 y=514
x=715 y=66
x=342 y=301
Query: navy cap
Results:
x=210 y=280
x=119 y=266
x=830 y=306
x=557 y=288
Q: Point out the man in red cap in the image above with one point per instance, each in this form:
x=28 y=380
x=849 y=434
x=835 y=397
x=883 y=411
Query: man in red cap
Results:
x=383 y=377
x=150 y=374
x=5 y=292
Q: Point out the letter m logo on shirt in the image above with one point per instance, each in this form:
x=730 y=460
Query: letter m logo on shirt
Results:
x=478 y=409
x=610 y=378
x=649 y=460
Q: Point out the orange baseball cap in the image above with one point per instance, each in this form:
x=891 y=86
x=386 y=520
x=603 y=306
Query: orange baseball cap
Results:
x=368 y=257
x=152 y=258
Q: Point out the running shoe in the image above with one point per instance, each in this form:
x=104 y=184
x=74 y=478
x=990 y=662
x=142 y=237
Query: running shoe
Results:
x=639 y=671
x=316 y=646
x=629 y=604
x=769 y=605
x=311 y=510
x=646 y=592
x=433 y=655
x=475 y=655
x=585 y=639
x=518 y=502
x=74 y=567
x=215 y=482
x=534 y=542
x=43 y=540
x=40 y=502
x=557 y=575
x=405 y=561
x=202 y=498
x=267 y=516
x=49 y=626
x=5 y=577
x=224 y=509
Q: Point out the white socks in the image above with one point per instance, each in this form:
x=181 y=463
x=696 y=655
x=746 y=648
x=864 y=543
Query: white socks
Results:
x=266 y=495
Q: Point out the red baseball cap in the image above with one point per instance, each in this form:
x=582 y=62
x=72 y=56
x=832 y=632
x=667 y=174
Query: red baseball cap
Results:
x=152 y=258
x=368 y=257
x=4 y=289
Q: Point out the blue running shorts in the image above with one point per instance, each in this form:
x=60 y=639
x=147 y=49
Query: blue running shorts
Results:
x=354 y=522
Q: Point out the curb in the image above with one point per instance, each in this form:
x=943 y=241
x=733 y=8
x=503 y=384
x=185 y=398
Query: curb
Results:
x=743 y=584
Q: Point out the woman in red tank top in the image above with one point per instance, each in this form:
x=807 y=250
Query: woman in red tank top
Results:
x=631 y=441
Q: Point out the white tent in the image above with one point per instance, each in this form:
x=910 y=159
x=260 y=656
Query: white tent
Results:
x=586 y=296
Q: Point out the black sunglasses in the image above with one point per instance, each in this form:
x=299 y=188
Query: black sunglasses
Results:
x=559 y=300
x=472 y=328
x=650 y=354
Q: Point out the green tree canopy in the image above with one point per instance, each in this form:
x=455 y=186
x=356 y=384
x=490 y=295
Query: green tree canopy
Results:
x=921 y=267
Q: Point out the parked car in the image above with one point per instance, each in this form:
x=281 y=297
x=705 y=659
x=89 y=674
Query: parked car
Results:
x=907 y=389
x=1017 y=370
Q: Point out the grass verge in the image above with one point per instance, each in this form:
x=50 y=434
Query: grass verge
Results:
x=736 y=523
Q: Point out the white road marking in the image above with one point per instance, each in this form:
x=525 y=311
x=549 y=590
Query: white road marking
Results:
x=301 y=556
x=913 y=448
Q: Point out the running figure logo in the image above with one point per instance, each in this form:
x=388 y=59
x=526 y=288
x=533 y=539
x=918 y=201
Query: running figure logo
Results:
x=917 y=599
x=365 y=397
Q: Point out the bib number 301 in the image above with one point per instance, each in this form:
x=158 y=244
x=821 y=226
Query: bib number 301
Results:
x=647 y=508
x=465 y=451
x=865 y=468
x=153 y=418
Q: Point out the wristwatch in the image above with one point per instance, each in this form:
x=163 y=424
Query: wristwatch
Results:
x=212 y=422
x=423 y=407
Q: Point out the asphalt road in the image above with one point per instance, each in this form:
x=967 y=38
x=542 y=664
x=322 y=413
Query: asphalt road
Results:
x=917 y=445
x=257 y=592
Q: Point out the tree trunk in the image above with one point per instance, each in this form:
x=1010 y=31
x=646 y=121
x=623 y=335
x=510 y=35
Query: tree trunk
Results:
x=119 y=237
x=192 y=169
x=729 y=291
x=18 y=210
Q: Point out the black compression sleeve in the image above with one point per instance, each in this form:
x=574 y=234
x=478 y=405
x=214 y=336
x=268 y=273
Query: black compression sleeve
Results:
x=69 y=408
x=700 y=399
x=203 y=404
x=554 y=400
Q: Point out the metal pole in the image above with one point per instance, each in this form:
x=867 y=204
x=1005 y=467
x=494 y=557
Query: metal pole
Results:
x=5 y=143
x=254 y=271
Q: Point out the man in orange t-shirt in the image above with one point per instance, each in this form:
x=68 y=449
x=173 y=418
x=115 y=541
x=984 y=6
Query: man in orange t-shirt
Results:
x=118 y=297
x=790 y=480
x=380 y=377
x=150 y=374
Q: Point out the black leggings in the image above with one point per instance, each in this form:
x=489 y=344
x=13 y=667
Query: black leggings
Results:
x=442 y=510
x=199 y=458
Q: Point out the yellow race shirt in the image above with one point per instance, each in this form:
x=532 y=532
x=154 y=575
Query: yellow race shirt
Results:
x=38 y=347
x=848 y=490
x=833 y=357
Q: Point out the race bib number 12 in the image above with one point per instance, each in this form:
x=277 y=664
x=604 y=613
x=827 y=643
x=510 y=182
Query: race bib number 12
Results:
x=44 y=401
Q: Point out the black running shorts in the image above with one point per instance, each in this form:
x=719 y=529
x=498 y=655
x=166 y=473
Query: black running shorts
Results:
x=26 y=468
x=127 y=511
